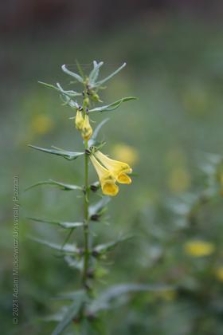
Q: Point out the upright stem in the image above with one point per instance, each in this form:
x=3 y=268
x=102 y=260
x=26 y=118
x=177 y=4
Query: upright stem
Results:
x=86 y=222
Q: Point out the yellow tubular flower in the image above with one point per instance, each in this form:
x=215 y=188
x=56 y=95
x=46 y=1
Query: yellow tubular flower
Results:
x=107 y=180
x=79 y=120
x=117 y=168
x=86 y=130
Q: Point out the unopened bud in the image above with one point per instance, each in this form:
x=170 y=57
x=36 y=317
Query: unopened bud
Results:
x=79 y=120
x=86 y=130
x=95 y=97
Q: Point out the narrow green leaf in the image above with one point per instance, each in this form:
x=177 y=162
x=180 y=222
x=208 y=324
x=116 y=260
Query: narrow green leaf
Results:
x=93 y=139
x=94 y=73
x=68 y=101
x=66 y=225
x=99 y=206
x=63 y=186
x=48 y=85
x=70 y=93
x=68 y=248
x=111 y=297
x=72 y=312
x=58 y=88
x=69 y=155
x=57 y=317
x=99 y=83
x=103 y=248
x=112 y=106
x=73 y=295
x=74 y=263
x=72 y=74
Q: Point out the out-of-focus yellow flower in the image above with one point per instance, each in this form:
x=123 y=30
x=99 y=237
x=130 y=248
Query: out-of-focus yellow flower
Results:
x=106 y=178
x=219 y=273
x=86 y=130
x=79 y=120
x=118 y=169
x=221 y=178
x=179 y=180
x=198 y=248
x=126 y=153
x=41 y=124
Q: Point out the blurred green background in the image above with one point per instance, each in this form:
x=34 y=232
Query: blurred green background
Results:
x=172 y=136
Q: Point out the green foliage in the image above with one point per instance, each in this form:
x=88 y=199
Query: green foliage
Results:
x=176 y=121
x=70 y=155
x=83 y=258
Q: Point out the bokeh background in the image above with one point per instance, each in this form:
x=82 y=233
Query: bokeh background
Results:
x=172 y=135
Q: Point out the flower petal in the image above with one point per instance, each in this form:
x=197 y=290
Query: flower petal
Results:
x=123 y=178
x=109 y=188
x=111 y=164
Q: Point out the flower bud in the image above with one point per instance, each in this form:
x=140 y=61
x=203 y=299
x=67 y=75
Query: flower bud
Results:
x=79 y=120
x=86 y=102
x=86 y=130
x=95 y=97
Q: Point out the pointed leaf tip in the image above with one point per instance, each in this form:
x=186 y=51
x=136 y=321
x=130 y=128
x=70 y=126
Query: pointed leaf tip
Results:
x=69 y=155
x=72 y=74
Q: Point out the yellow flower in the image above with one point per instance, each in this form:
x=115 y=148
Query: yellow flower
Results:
x=198 y=248
x=86 y=130
x=41 y=124
x=125 y=152
x=79 y=120
x=107 y=180
x=219 y=273
x=117 y=168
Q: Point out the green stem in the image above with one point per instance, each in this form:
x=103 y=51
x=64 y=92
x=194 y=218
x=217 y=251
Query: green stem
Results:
x=86 y=222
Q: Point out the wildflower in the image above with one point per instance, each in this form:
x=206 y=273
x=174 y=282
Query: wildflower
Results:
x=219 y=273
x=106 y=178
x=198 y=248
x=86 y=130
x=41 y=124
x=125 y=152
x=117 y=168
x=79 y=120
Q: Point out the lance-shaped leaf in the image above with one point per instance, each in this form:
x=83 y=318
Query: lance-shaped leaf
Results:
x=103 y=248
x=112 y=106
x=69 y=155
x=67 y=248
x=71 y=313
x=63 y=186
x=69 y=296
x=58 y=88
x=98 y=208
x=70 y=93
x=113 y=296
x=93 y=76
x=74 y=263
x=68 y=101
x=93 y=140
x=101 y=82
x=72 y=74
x=66 y=225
